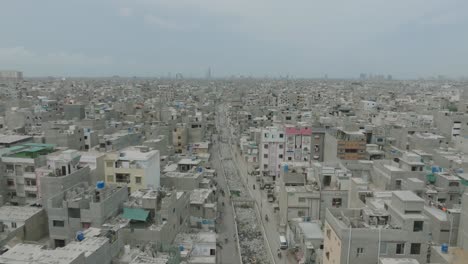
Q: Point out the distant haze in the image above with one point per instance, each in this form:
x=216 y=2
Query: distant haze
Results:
x=303 y=38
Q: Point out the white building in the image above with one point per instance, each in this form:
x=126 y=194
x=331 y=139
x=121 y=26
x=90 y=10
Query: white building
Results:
x=272 y=151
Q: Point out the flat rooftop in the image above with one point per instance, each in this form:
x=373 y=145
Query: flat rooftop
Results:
x=9 y=139
x=18 y=213
x=407 y=196
x=311 y=230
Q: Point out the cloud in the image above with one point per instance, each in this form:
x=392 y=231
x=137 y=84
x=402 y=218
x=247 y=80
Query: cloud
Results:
x=125 y=12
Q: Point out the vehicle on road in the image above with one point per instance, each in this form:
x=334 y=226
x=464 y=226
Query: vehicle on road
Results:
x=283 y=242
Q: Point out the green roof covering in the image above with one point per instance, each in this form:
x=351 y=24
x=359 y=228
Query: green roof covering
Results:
x=39 y=145
x=135 y=214
x=34 y=149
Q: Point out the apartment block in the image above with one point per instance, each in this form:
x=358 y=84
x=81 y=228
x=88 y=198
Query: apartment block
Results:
x=80 y=208
x=20 y=163
x=351 y=145
x=272 y=149
x=134 y=167
x=396 y=229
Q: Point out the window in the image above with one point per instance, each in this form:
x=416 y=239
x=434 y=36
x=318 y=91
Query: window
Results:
x=13 y=224
x=266 y=134
x=280 y=156
x=30 y=182
x=327 y=255
x=265 y=146
x=400 y=248
x=359 y=251
x=265 y=166
x=58 y=223
x=289 y=158
x=383 y=248
x=415 y=248
x=110 y=178
x=280 y=146
x=122 y=177
x=300 y=213
x=418 y=226
x=281 y=135
x=329 y=233
x=29 y=169
x=11 y=182
x=138 y=180
x=109 y=164
x=453 y=184
x=59 y=242
x=265 y=156
x=301 y=199
x=336 y=202
x=31 y=195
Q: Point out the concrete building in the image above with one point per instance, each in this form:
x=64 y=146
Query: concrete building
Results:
x=180 y=137
x=397 y=229
x=307 y=237
x=61 y=171
x=96 y=246
x=64 y=134
x=197 y=247
x=134 y=167
x=443 y=224
x=119 y=140
x=20 y=164
x=272 y=149
x=351 y=145
x=155 y=216
x=463 y=228
x=24 y=223
x=203 y=211
x=298 y=143
x=74 y=111
x=80 y=208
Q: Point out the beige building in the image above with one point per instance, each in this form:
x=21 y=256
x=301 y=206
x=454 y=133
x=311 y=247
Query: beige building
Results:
x=135 y=167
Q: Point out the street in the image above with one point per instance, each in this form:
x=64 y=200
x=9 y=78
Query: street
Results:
x=270 y=228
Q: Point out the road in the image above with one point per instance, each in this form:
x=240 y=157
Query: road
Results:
x=271 y=227
x=229 y=253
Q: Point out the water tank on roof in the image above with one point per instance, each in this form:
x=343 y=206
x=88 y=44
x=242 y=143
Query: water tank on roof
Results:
x=444 y=248
x=435 y=169
x=100 y=185
x=199 y=169
x=286 y=168
x=80 y=236
x=181 y=248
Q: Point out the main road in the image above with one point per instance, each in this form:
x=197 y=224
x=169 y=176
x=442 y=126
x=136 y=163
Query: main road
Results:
x=228 y=253
x=271 y=227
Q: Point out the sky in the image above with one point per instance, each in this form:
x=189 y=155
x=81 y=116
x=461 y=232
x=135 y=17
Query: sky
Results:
x=302 y=38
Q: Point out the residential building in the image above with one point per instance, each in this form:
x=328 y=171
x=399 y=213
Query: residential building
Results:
x=396 y=229
x=272 y=149
x=81 y=207
x=134 y=167
x=20 y=163
x=351 y=145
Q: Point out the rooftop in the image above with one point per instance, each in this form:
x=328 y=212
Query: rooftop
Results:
x=407 y=196
x=18 y=213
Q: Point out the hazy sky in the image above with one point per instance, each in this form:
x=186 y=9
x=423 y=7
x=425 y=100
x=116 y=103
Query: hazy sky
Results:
x=308 y=38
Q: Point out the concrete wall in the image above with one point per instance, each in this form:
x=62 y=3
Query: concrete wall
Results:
x=50 y=186
x=331 y=149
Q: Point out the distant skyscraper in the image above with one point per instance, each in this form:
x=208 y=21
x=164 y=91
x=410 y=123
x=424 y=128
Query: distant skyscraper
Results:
x=389 y=77
x=362 y=76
